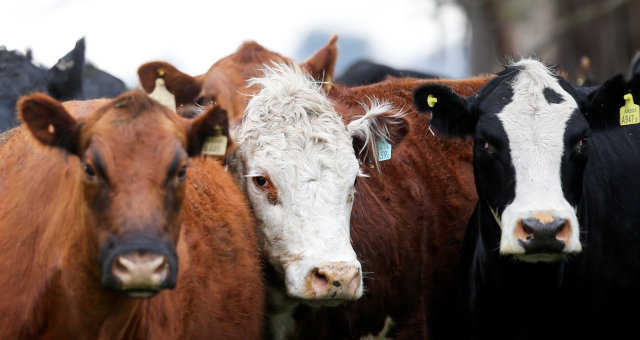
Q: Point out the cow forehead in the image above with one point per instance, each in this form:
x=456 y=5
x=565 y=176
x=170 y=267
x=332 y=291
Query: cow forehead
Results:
x=290 y=120
x=531 y=102
x=144 y=129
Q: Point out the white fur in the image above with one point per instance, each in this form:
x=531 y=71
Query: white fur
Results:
x=535 y=130
x=374 y=126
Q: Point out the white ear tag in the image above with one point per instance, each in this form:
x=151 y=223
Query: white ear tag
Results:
x=215 y=145
x=162 y=95
x=384 y=150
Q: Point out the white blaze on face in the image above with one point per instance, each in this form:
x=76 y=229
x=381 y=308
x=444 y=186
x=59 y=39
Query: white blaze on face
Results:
x=292 y=137
x=535 y=130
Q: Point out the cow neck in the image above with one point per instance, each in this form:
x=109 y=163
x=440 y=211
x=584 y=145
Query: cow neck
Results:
x=280 y=308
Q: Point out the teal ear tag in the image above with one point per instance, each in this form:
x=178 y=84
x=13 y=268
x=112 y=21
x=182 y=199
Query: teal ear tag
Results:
x=384 y=150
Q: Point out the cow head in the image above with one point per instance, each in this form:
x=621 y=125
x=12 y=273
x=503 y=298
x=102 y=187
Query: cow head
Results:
x=531 y=134
x=134 y=158
x=297 y=163
x=225 y=82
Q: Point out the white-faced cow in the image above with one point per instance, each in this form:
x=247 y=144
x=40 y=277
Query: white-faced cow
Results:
x=535 y=138
x=297 y=164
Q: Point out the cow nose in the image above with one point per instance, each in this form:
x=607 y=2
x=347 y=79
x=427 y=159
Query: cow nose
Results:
x=335 y=280
x=140 y=273
x=543 y=234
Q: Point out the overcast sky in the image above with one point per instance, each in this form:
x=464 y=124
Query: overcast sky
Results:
x=192 y=34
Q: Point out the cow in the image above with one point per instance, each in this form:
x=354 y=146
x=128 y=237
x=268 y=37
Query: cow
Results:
x=407 y=224
x=104 y=211
x=70 y=78
x=551 y=249
x=297 y=163
x=365 y=72
x=225 y=82
x=381 y=202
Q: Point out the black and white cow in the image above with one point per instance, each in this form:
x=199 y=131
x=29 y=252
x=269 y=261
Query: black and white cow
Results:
x=546 y=159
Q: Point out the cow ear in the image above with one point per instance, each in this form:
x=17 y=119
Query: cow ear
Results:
x=451 y=114
x=602 y=105
x=49 y=122
x=322 y=64
x=64 y=79
x=209 y=131
x=185 y=87
x=380 y=124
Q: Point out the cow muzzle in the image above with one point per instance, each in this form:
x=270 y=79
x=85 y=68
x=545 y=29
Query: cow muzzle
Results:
x=141 y=272
x=543 y=233
x=334 y=282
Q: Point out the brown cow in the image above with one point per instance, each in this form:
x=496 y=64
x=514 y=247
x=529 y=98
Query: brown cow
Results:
x=407 y=220
x=102 y=204
x=225 y=82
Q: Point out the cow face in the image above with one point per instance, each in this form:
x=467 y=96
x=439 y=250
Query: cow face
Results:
x=225 y=82
x=529 y=155
x=134 y=157
x=297 y=164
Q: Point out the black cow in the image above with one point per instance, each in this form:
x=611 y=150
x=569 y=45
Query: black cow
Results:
x=70 y=78
x=364 y=72
x=553 y=247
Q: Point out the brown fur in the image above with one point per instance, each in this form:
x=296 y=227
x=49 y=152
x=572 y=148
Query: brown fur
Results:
x=50 y=234
x=225 y=82
x=407 y=225
x=407 y=221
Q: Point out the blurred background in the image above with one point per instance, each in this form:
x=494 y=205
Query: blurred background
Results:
x=449 y=38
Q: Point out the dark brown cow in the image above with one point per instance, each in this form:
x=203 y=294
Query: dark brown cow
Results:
x=101 y=204
x=407 y=220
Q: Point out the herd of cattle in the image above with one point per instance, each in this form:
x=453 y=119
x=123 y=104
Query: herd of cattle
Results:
x=325 y=210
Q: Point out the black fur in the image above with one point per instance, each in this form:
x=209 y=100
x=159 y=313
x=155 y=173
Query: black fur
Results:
x=590 y=295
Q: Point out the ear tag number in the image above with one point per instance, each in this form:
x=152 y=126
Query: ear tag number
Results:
x=215 y=145
x=630 y=112
x=161 y=94
x=384 y=150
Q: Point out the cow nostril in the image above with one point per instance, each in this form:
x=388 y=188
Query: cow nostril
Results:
x=162 y=268
x=321 y=277
x=336 y=283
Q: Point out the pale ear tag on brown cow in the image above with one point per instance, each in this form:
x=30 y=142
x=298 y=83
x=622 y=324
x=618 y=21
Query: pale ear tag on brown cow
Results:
x=162 y=95
x=384 y=150
x=215 y=145
x=630 y=112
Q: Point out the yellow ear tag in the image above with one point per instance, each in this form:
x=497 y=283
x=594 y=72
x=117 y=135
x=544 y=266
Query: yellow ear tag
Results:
x=215 y=145
x=630 y=112
x=432 y=100
x=162 y=95
x=328 y=82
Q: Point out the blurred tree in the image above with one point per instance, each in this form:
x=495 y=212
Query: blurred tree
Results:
x=561 y=32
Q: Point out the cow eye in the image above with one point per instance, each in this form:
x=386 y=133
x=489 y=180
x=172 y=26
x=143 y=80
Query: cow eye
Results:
x=581 y=145
x=182 y=173
x=89 y=171
x=486 y=146
x=260 y=181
